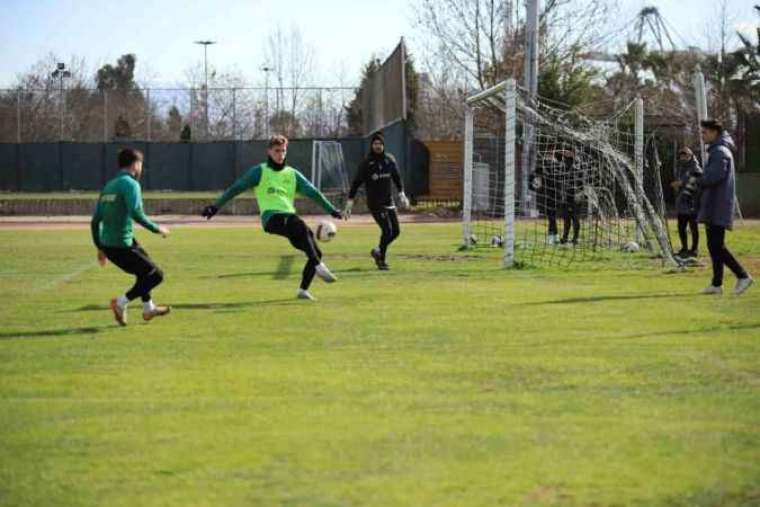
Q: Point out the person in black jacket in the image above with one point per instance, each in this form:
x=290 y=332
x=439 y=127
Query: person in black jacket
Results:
x=377 y=172
x=687 y=200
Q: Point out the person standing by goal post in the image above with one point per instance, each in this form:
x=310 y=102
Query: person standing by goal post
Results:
x=120 y=203
x=376 y=172
x=717 y=204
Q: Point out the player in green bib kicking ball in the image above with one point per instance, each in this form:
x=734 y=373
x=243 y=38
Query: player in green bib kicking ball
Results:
x=119 y=203
x=276 y=185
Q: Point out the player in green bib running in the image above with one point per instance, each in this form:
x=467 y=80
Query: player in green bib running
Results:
x=276 y=185
x=120 y=203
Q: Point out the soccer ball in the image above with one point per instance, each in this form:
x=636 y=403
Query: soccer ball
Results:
x=631 y=247
x=496 y=241
x=326 y=230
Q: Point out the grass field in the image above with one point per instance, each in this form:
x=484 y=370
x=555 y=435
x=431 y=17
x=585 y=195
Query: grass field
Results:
x=444 y=382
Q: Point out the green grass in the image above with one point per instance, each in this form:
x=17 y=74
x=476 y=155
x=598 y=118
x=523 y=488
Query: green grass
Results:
x=444 y=382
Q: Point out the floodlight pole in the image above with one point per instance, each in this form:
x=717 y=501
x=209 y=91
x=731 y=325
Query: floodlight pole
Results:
x=205 y=44
x=266 y=69
x=60 y=73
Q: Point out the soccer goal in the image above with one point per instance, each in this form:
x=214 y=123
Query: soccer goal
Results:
x=548 y=185
x=329 y=171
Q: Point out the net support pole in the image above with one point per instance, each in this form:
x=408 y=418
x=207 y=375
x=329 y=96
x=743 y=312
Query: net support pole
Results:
x=527 y=199
x=639 y=157
x=18 y=116
x=105 y=116
x=467 y=190
x=314 y=169
x=147 y=114
x=701 y=95
x=510 y=117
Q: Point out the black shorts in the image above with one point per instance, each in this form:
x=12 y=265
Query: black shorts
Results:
x=133 y=260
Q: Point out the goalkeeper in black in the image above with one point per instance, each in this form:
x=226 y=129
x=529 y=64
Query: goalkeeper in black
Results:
x=378 y=172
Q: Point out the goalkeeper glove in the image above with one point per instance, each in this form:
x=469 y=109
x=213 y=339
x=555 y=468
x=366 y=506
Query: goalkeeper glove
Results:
x=403 y=200
x=347 y=208
x=209 y=211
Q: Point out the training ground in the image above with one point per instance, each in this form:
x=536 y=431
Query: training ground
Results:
x=445 y=382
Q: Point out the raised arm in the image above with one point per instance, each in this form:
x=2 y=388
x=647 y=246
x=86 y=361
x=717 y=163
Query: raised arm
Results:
x=248 y=180
x=305 y=188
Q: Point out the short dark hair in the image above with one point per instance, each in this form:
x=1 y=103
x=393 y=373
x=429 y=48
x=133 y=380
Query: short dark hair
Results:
x=278 y=140
x=129 y=156
x=712 y=125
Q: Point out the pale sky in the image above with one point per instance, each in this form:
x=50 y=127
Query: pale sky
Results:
x=345 y=33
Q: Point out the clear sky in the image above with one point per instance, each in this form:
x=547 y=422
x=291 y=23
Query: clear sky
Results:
x=345 y=33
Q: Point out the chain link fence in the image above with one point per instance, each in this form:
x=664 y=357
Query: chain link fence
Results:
x=171 y=115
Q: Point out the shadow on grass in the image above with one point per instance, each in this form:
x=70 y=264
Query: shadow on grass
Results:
x=203 y=306
x=706 y=330
x=281 y=272
x=10 y=335
x=620 y=297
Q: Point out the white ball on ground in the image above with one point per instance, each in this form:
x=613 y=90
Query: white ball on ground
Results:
x=631 y=247
x=496 y=241
x=326 y=230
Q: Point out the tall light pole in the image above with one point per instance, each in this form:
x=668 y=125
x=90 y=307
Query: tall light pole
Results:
x=267 y=69
x=205 y=44
x=60 y=73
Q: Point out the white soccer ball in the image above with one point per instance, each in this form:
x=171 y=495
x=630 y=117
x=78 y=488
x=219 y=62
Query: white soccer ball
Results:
x=496 y=241
x=326 y=230
x=631 y=247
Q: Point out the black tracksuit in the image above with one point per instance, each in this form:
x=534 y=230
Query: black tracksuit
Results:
x=378 y=173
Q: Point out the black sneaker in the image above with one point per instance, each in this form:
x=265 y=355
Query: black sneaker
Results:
x=691 y=254
x=375 y=253
x=382 y=266
x=683 y=253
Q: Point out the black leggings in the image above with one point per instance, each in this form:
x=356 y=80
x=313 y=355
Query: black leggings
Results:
x=135 y=261
x=716 y=244
x=387 y=219
x=691 y=222
x=301 y=237
x=570 y=216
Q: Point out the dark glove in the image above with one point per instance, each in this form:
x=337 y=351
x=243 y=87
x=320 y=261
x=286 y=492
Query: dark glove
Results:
x=337 y=215
x=209 y=211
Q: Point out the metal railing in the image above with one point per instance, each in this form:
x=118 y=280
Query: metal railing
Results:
x=171 y=114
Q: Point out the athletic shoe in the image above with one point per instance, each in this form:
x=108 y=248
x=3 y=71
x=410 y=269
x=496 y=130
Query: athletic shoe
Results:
x=325 y=273
x=682 y=253
x=551 y=239
x=158 y=311
x=119 y=313
x=742 y=284
x=692 y=254
x=712 y=289
x=375 y=253
x=382 y=266
x=304 y=294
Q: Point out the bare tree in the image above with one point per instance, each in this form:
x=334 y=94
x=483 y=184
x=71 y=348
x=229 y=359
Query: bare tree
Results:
x=293 y=61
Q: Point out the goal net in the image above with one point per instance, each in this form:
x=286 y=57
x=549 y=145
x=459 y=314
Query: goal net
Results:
x=547 y=185
x=329 y=172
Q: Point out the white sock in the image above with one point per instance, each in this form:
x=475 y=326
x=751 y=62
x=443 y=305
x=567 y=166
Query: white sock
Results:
x=122 y=301
x=148 y=306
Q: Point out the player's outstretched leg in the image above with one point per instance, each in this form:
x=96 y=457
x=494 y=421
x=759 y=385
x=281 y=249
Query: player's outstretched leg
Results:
x=302 y=238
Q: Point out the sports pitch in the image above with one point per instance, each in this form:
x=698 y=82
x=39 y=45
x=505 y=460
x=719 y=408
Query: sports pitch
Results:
x=444 y=382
